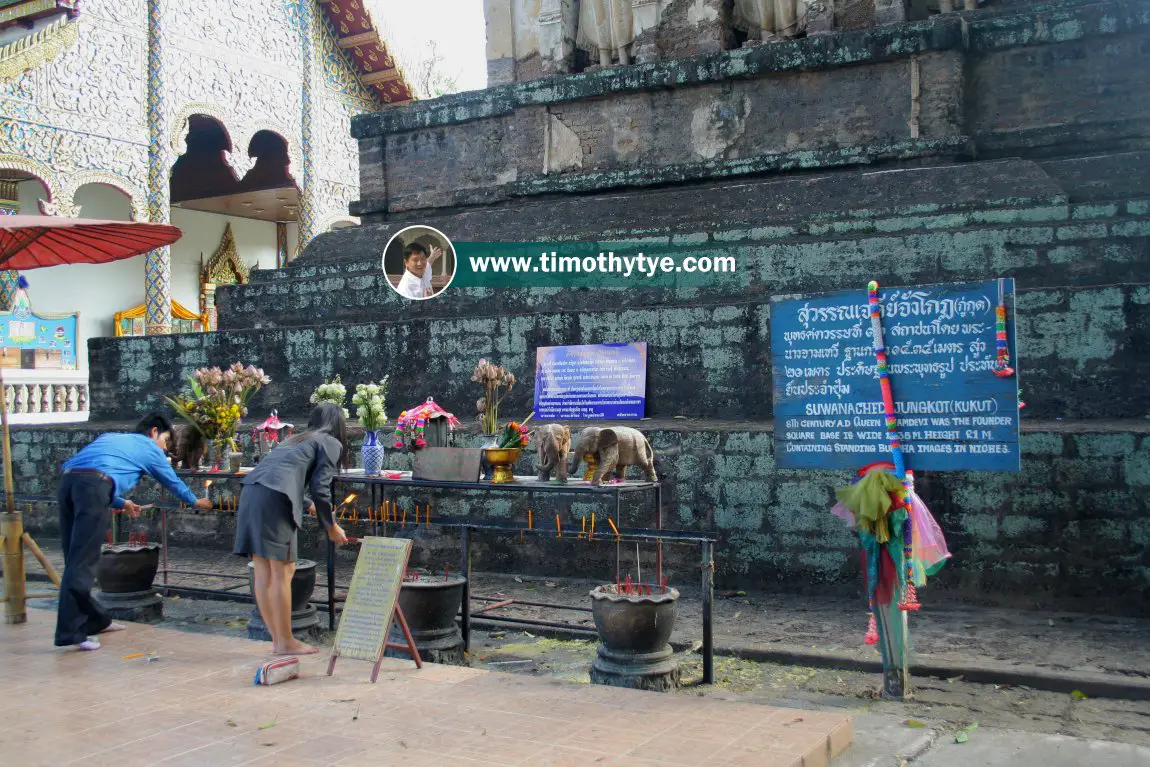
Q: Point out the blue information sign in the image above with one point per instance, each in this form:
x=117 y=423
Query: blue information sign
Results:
x=602 y=381
x=954 y=413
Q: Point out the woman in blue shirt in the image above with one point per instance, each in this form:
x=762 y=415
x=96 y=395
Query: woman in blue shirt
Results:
x=271 y=512
x=95 y=479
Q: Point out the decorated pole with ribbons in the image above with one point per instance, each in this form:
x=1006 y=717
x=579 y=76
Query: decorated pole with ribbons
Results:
x=901 y=542
x=893 y=634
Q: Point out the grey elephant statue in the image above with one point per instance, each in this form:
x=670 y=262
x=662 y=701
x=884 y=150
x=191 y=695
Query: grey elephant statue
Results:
x=614 y=449
x=552 y=444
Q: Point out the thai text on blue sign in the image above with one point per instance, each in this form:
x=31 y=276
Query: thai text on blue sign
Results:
x=601 y=381
x=954 y=413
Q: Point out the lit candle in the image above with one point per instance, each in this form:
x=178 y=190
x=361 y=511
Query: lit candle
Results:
x=404 y=518
x=592 y=532
x=208 y=490
x=530 y=520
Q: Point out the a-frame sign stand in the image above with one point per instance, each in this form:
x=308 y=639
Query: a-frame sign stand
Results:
x=363 y=629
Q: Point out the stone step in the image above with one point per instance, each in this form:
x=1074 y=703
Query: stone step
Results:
x=1085 y=244
x=1082 y=351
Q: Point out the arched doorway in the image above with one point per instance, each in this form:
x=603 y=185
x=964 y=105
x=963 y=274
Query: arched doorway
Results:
x=237 y=204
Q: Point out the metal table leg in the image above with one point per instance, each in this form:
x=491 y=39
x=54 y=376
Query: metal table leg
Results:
x=618 y=523
x=330 y=585
x=659 y=543
x=465 y=571
x=708 y=600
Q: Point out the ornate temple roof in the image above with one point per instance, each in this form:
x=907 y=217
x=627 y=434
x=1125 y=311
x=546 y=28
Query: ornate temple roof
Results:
x=357 y=34
x=25 y=11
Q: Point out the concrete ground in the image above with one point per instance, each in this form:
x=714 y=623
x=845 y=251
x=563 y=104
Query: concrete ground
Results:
x=885 y=733
x=155 y=696
x=1062 y=651
x=997 y=720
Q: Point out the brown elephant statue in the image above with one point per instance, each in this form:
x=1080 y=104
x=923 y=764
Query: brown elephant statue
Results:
x=614 y=449
x=188 y=448
x=552 y=444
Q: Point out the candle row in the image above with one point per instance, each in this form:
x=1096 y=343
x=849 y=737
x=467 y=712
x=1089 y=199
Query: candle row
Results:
x=628 y=588
x=388 y=511
x=584 y=530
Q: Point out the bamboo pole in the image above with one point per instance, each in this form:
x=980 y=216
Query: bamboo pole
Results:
x=52 y=574
x=12 y=528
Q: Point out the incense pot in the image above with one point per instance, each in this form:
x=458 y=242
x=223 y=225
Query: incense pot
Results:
x=430 y=605
x=125 y=573
x=502 y=460
x=634 y=632
x=304 y=619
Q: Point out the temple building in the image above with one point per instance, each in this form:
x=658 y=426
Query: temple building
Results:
x=229 y=120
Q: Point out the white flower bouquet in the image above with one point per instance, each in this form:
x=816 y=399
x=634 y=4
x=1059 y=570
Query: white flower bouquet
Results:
x=370 y=400
x=331 y=391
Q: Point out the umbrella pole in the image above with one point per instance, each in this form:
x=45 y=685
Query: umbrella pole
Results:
x=11 y=529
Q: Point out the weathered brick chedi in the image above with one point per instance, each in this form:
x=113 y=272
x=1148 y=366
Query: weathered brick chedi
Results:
x=999 y=142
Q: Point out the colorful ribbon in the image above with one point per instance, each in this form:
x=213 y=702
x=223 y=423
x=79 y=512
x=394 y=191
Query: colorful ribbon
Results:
x=1002 y=367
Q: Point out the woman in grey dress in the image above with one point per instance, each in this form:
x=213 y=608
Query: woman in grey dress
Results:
x=271 y=513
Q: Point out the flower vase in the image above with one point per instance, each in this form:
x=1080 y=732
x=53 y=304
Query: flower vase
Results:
x=213 y=456
x=487 y=442
x=502 y=460
x=371 y=454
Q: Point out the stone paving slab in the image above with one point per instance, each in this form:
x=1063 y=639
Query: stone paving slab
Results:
x=196 y=705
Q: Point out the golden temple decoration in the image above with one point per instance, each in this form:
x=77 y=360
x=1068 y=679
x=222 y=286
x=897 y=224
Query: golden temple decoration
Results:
x=225 y=267
x=36 y=49
x=130 y=322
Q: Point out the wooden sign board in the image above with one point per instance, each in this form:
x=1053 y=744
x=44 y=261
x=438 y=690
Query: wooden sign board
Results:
x=448 y=464
x=371 y=603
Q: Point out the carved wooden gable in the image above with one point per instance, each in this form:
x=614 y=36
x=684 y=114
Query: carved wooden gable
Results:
x=225 y=267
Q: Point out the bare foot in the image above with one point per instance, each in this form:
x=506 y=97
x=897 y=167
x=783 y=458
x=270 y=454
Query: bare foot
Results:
x=114 y=627
x=295 y=647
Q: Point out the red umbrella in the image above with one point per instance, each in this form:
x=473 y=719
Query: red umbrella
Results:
x=30 y=242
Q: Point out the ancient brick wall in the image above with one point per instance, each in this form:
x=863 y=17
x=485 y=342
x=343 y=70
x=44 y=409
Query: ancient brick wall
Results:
x=1081 y=348
x=988 y=82
x=1068 y=532
x=1066 y=213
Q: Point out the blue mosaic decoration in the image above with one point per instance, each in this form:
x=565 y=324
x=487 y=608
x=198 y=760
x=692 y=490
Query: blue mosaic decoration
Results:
x=307 y=181
x=9 y=278
x=158 y=265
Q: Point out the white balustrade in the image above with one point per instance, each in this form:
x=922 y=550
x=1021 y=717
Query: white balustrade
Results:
x=46 y=396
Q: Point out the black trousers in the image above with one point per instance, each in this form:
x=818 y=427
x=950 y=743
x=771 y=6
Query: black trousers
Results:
x=84 y=500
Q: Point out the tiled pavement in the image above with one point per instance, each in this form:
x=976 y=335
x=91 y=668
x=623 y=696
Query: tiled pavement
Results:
x=196 y=705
